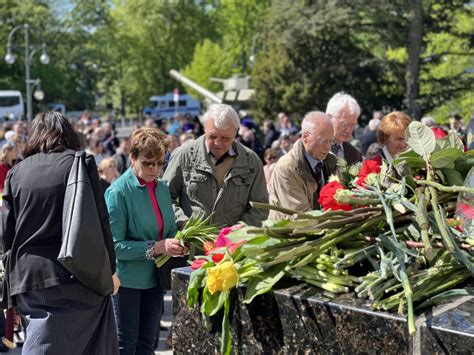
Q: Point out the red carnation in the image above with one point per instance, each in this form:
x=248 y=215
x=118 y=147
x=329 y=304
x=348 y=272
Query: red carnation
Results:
x=326 y=197
x=466 y=210
x=439 y=132
x=368 y=167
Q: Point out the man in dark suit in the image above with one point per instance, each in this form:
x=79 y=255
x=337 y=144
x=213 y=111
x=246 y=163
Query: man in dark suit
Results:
x=344 y=112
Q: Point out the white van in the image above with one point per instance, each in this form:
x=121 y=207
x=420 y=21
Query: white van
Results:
x=11 y=105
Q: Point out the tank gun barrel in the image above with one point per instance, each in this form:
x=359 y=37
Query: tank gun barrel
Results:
x=188 y=82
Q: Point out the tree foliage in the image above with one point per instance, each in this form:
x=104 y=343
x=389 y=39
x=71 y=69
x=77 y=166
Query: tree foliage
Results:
x=117 y=53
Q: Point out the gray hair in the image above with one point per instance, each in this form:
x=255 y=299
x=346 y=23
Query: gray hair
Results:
x=428 y=121
x=223 y=116
x=312 y=120
x=340 y=102
x=374 y=124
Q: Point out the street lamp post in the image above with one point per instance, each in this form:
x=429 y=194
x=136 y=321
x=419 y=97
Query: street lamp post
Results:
x=10 y=59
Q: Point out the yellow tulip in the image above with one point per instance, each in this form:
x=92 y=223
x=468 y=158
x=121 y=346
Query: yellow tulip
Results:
x=222 y=277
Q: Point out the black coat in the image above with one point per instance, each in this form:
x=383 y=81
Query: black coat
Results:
x=32 y=220
x=351 y=153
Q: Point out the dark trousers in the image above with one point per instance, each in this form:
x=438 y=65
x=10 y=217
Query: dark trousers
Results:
x=138 y=314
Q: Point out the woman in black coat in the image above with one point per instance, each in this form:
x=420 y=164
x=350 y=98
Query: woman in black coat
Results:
x=62 y=315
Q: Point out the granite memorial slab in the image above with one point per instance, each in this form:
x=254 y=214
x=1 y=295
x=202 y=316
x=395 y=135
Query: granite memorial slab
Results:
x=299 y=319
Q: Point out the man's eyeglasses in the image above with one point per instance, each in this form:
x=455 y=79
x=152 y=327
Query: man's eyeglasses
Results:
x=346 y=125
x=321 y=141
x=213 y=138
x=152 y=163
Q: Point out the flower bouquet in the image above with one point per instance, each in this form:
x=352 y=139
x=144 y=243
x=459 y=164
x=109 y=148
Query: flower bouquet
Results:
x=391 y=238
x=195 y=233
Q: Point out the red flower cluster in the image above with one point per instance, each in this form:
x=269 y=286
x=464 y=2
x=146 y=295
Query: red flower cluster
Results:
x=222 y=242
x=326 y=197
x=466 y=210
x=368 y=167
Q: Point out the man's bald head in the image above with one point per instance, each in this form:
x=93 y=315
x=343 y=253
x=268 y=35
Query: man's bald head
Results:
x=317 y=134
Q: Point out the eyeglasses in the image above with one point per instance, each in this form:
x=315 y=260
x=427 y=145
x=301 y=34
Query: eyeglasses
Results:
x=152 y=163
x=346 y=125
x=321 y=141
x=213 y=138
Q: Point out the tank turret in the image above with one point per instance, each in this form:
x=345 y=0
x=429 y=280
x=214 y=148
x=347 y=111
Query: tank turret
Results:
x=236 y=90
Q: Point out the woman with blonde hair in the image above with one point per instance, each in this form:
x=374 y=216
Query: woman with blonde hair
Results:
x=391 y=136
x=107 y=172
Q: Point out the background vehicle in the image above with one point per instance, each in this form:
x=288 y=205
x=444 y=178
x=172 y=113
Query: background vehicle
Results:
x=236 y=90
x=11 y=105
x=57 y=107
x=167 y=107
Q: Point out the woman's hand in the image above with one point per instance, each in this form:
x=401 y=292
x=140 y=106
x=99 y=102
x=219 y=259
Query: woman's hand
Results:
x=116 y=281
x=171 y=247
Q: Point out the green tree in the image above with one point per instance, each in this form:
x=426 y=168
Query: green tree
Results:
x=146 y=39
x=237 y=26
x=209 y=60
x=312 y=54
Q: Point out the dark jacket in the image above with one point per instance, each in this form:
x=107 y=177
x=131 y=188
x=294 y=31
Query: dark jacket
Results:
x=32 y=220
x=351 y=153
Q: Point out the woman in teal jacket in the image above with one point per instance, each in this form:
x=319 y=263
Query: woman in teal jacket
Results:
x=143 y=226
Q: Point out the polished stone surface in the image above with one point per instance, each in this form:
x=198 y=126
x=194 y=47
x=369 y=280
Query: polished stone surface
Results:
x=299 y=319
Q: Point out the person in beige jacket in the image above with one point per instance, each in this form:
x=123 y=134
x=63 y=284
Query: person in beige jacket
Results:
x=299 y=175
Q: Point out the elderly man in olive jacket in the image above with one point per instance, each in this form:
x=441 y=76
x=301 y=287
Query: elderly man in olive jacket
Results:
x=298 y=176
x=216 y=174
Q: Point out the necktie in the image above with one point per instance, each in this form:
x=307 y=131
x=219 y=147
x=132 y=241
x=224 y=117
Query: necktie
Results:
x=318 y=174
x=335 y=148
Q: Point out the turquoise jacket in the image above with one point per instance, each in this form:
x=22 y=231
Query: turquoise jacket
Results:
x=133 y=223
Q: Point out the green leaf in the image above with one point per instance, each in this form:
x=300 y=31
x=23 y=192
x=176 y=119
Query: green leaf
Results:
x=465 y=163
x=445 y=158
x=255 y=246
x=195 y=282
x=444 y=296
x=421 y=139
x=453 y=177
x=450 y=141
x=240 y=234
x=264 y=282
x=226 y=337
x=413 y=159
x=212 y=303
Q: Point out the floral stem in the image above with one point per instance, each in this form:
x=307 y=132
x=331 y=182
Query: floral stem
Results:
x=443 y=188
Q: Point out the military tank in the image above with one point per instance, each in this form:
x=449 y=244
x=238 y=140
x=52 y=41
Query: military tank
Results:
x=236 y=90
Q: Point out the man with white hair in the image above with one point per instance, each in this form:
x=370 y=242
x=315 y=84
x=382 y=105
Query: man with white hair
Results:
x=298 y=176
x=344 y=111
x=216 y=174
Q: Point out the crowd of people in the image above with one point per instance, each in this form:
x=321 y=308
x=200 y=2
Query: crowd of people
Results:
x=146 y=187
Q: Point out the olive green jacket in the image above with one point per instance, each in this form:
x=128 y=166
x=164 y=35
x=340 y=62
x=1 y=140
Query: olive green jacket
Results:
x=194 y=189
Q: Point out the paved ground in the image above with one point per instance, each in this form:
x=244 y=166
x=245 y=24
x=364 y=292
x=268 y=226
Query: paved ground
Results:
x=163 y=349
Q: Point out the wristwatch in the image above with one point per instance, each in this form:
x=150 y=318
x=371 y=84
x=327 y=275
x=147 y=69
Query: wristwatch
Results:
x=150 y=250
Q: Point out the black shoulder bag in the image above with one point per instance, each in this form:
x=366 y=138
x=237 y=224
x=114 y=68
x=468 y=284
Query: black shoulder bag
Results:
x=83 y=252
